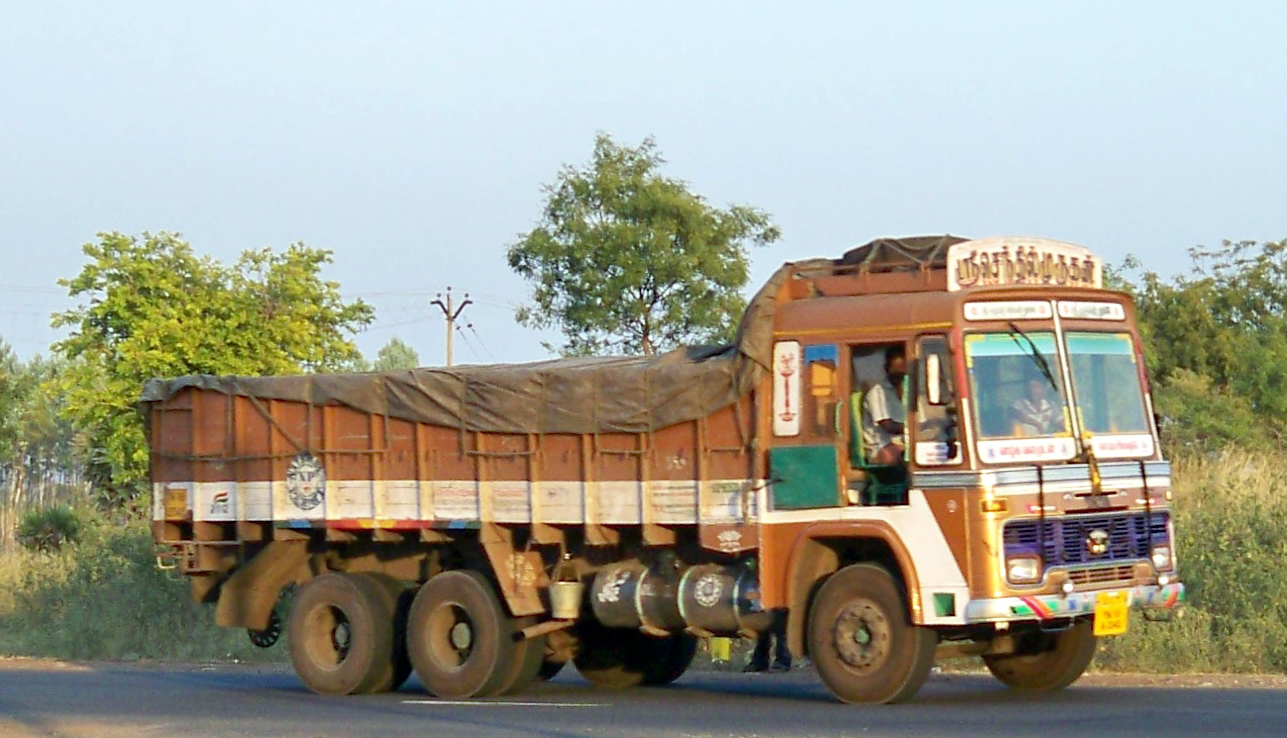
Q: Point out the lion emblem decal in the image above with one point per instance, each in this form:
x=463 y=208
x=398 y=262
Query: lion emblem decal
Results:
x=306 y=482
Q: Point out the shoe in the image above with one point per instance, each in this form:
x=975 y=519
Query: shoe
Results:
x=779 y=667
x=753 y=668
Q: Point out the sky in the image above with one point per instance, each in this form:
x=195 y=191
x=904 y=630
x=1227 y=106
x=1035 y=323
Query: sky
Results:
x=413 y=139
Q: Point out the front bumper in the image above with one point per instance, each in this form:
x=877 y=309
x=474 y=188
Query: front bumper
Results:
x=1058 y=606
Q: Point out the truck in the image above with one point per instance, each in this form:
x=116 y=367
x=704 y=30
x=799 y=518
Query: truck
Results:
x=484 y=525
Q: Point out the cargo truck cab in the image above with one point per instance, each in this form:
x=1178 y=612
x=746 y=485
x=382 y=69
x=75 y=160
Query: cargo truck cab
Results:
x=1030 y=510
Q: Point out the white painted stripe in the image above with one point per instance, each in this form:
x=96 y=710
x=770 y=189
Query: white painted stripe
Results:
x=675 y=502
x=501 y=703
x=915 y=524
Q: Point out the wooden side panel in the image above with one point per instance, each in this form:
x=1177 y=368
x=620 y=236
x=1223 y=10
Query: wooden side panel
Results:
x=672 y=474
x=618 y=494
x=454 y=491
x=239 y=459
x=398 y=493
x=506 y=460
x=561 y=492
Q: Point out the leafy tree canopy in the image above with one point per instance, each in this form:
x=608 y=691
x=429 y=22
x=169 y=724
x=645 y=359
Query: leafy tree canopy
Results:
x=150 y=307
x=625 y=259
x=1216 y=340
x=396 y=355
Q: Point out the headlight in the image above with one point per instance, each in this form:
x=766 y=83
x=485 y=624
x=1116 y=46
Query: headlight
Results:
x=1023 y=569
x=1161 y=556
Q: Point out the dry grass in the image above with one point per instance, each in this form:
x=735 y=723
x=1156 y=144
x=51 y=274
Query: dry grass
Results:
x=1231 y=538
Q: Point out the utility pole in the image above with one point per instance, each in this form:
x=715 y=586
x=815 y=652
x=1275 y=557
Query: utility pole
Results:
x=451 y=312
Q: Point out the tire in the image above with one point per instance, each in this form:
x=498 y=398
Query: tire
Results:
x=672 y=658
x=862 y=641
x=528 y=658
x=611 y=658
x=459 y=637
x=1046 y=661
x=340 y=634
x=398 y=599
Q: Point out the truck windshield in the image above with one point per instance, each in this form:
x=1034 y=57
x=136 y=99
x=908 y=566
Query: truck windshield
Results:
x=1015 y=395
x=1107 y=379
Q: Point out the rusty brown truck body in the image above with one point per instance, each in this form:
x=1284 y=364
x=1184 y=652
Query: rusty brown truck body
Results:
x=479 y=525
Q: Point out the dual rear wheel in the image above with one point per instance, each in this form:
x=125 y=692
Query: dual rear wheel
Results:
x=364 y=633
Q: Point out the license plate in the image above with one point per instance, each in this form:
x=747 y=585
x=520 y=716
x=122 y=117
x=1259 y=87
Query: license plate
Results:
x=1112 y=613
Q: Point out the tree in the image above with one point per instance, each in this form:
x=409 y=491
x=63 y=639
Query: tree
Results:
x=39 y=452
x=396 y=355
x=1216 y=341
x=626 y=259
x=152 y=308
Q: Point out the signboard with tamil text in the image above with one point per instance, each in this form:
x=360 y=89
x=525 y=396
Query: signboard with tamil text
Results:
x=999 y=262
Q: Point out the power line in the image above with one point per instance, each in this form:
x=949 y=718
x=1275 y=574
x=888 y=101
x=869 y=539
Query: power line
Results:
x=468 y=344
x=482 y=343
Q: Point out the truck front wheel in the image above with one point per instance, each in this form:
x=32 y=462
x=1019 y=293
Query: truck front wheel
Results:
x=1046 y=661
x=341 y=639
x=862 y=641
x=461 y=641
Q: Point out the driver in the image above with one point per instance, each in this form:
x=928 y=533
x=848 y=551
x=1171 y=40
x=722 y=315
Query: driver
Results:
x=1033 y=414
x=883 y=413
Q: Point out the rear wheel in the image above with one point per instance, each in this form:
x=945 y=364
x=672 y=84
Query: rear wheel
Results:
x=459 y=637
x=340 y=634
x=862 y=641
x=398 y=600
x=528 y=657
x=1046 y=661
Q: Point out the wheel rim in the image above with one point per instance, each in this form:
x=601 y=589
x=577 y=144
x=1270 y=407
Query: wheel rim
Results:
x=862 y=636
x=450 y=633
x=330 y=637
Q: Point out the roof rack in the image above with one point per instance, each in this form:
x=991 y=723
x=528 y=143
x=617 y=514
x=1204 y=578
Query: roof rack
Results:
x=912 y=264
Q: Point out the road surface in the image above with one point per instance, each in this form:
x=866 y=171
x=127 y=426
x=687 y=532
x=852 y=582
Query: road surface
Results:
x=52 y=699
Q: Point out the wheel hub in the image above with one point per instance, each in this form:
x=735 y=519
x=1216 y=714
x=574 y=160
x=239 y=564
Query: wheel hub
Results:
x=462 y=636
x=340 y=638
x=862 y=635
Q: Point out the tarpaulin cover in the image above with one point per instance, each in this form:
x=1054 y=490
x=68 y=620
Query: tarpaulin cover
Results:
x=579 y=395
x=889 y=254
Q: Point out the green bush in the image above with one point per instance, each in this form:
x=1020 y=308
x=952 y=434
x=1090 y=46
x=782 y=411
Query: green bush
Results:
x=106 y=599
x=49 y=529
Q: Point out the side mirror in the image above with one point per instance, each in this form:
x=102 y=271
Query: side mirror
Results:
x=934 y=379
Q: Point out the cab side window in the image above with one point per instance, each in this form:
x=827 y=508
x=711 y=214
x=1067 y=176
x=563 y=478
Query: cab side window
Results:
x=821 y=391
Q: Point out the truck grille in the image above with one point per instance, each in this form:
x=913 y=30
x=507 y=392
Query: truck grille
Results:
x=1063 y=542
x=1102 y=574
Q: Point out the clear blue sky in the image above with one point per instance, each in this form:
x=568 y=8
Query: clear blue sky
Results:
x=412 y=139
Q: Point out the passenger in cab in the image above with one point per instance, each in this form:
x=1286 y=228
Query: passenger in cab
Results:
x=883 y=412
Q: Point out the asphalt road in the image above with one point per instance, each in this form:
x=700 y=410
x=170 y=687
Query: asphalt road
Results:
x=113 y=701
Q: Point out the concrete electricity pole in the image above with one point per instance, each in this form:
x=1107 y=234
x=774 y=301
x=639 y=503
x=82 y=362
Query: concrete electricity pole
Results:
x=451 y=312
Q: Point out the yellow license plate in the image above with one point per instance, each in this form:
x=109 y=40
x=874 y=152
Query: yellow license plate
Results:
x=1112 y=613
x=176 y=503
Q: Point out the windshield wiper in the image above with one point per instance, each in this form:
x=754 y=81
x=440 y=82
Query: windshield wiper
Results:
x=1037 y=358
